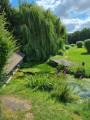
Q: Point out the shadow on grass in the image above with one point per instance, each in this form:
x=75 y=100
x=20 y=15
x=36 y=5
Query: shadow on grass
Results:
x=85 y=53
x=31 y=64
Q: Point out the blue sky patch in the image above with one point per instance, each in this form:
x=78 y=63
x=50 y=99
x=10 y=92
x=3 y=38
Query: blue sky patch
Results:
x=82 y=16
x=71 y=12
x=15 y=3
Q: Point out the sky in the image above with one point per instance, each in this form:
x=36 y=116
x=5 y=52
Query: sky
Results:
x=74 y=14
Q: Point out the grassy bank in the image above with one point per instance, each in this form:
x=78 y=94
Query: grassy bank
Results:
x=77 y=55
x=44 y=107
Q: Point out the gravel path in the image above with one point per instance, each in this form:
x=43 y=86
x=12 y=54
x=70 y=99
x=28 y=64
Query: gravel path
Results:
x=14 y=103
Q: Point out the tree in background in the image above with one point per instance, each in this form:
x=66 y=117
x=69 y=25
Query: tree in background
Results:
x=79 y=36
x=41 y=33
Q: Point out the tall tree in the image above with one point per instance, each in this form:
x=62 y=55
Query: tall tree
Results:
x=41 y=32
x=10 y=13
x=7 y=43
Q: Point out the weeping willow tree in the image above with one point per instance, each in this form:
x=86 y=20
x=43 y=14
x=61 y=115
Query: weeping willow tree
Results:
x=41 y=32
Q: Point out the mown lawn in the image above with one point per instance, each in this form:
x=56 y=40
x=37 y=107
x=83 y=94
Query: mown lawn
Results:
x=77 y=55
x=43 y=106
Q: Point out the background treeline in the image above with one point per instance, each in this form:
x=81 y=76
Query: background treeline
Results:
x=78 y=36
x=39 y=32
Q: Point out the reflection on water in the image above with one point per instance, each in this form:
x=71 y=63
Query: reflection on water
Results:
x=79 y=90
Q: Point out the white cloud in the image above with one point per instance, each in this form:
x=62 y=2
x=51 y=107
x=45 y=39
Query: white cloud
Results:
x=76 y=24
x=48 y=4
x=80 y=6
x=62 y=9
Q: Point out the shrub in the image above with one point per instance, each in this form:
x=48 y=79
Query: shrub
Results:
x=61 y=66
x=79 y=44
x=87 y=45
x=51 y=62
x=80 y=72
x=34 y=37
x=64 y=49
x=67 y=46
x=70 y=71
x=7 y=43
x=60 y=52
x=72 y=45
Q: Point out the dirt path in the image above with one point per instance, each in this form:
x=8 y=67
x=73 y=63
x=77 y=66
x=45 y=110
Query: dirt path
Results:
x=14 y=104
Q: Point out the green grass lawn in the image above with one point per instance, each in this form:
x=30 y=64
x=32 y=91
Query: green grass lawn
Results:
x=43 y=106
x=33 y=67
x=77 y=55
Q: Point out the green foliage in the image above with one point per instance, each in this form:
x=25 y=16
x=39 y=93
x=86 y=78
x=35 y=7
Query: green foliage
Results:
x=10 y=13
x=31 y=70
x=61 y=91
x=64 y=49
x=40 y=82
x=77 y=56
x=7 y=43
x=83 y=108
x=67 y=47
x=79 y=72
x=51 y=62
x=78 y=36
x=72 y=45
x=61 y=66
x=58 y=85
x=4 y=52
x=77 y=108
x=79 y=44
x=60 y=52
x=61 y=43
x=37 y=66
x=87 y=45
x=40 y=32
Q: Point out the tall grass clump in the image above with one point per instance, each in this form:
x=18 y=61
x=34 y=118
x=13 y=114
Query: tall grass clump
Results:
x=87 y=45
x=40 y=82
x=41 y=32
x=79 y=44
x=56 y=84
x=79 y=72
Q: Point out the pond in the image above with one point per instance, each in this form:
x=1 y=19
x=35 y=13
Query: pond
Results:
x=78 y=90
